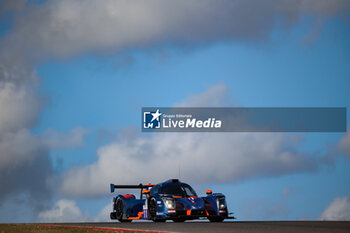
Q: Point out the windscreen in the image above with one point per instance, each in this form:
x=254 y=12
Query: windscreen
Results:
x=179 y=190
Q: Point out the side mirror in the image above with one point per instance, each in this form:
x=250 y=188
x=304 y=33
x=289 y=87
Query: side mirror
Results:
x=209 y=192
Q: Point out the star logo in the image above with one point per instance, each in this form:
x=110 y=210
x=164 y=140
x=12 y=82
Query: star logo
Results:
x=152 y=119
x=156 y=115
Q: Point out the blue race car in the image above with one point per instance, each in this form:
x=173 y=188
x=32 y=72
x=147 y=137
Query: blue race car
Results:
x=170 y=200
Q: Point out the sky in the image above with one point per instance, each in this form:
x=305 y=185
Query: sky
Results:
x=74 y=76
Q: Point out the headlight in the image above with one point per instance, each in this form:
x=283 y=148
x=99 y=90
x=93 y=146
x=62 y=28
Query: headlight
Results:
x=169 y=203
x=221 y=203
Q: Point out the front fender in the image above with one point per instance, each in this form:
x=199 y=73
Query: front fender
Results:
x=214 y=204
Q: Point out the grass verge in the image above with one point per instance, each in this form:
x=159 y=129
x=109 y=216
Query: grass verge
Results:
x=38 y=228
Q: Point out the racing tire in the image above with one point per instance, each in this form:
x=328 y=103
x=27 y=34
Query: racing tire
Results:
x=216 y=219
x=152 y=211
x=119 y=212
x=112 y=215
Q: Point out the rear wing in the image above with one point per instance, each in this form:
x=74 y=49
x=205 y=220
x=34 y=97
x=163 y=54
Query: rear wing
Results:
x=140 y=186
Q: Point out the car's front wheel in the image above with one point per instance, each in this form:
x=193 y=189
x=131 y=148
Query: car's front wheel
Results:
x=152 y=211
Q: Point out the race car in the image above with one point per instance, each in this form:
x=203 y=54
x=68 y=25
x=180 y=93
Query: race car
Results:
x=170 y=200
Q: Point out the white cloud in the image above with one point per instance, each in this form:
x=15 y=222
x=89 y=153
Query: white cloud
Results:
x=210 y=157
x=66 y=210
x=62 y=211
x=338 y=209
x=201 y=158
x=65 y=28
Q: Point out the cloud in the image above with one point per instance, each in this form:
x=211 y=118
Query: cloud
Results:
x=213 y=157
x=338 y=209
x=216 y=95
x=20 y=103
x=344 y=145
x=73 y=138
x=12 y=154
x=25 y=166
x=66 y=28
x=13 y=5
x=103 y=215
x=200 y=158
x=24 y=162
x=63 y=211
x=66 y=210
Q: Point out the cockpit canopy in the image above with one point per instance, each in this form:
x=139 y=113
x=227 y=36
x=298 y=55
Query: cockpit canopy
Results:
x=174 y=188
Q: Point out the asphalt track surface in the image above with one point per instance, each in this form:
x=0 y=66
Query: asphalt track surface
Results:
x=235 y=226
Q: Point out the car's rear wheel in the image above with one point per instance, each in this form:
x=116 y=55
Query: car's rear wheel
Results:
x=119 y=212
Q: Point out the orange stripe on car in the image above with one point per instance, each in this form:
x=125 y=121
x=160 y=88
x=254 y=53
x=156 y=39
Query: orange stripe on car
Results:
x=188 y=212
x=139 y=215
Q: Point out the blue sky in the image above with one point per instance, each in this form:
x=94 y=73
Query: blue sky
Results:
x=100 y=93
x=103 y=92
